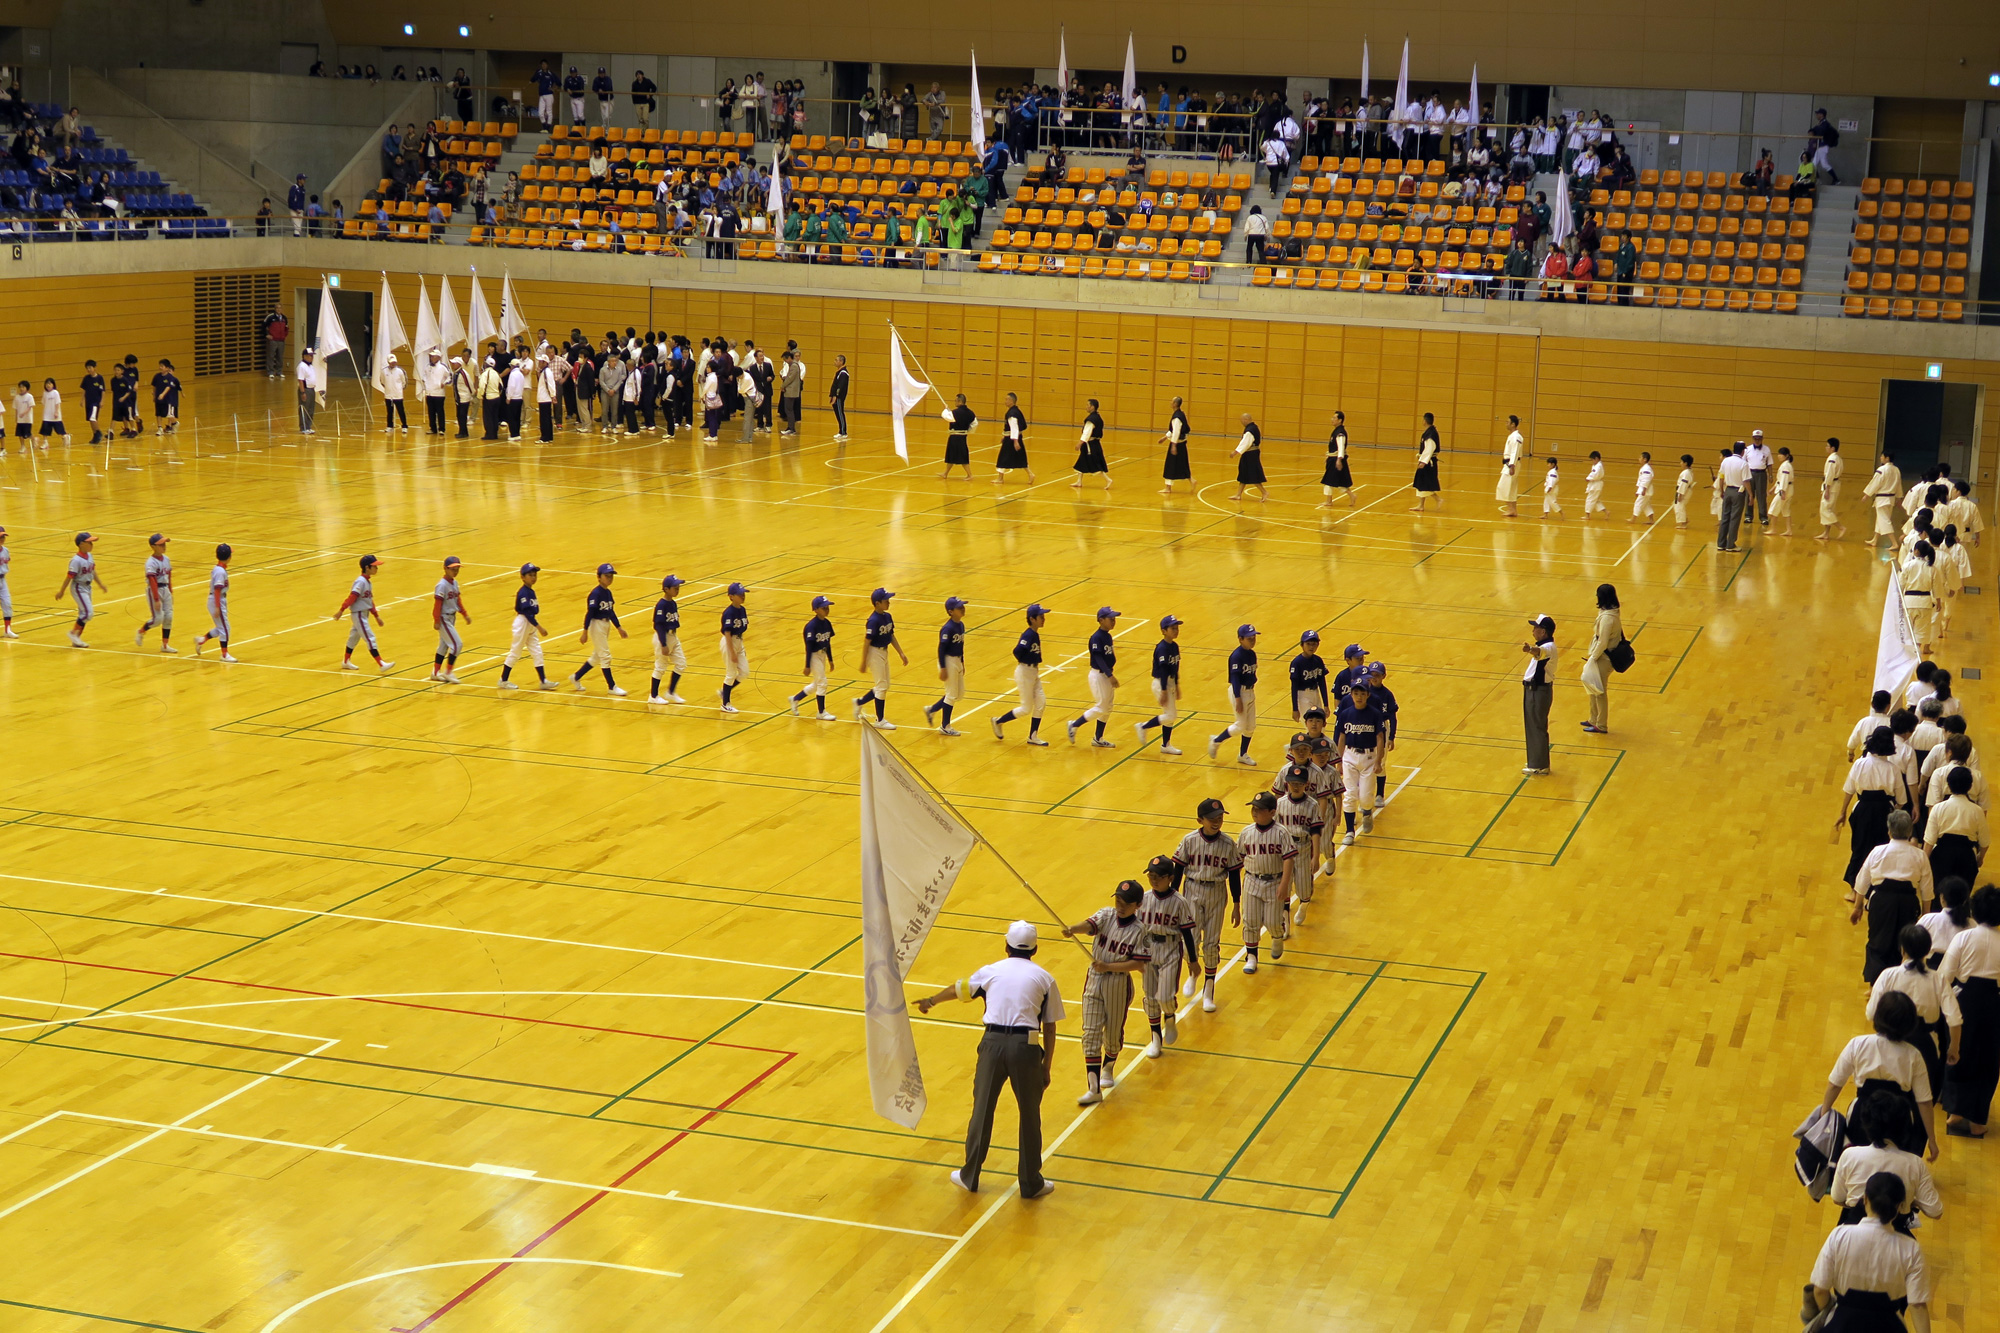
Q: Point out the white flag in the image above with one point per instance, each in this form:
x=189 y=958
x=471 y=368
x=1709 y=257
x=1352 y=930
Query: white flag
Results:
x=512 y=321
x=906 y=390
x=912 y=850
x=479 y=328
x=1364 y=73
x=776 y=206
x=1062 y=60
x=1473 y=105
x=1561 y=221
x=1402 y=108
x=389 y=336
x=978 y=117
x=1896 y=653
x=329 y=338
x=451 y=329
x=427 y=325
x=1131 y=84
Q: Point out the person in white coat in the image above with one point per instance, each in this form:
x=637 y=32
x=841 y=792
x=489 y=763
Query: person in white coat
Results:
x=1508 y=491
x=394 y=382
x=1881 y=491
x=1593 y=487
x=1606 y=633
x=1642 y=491
x=1920 y=589
x=1829 y=492
x=436 y=375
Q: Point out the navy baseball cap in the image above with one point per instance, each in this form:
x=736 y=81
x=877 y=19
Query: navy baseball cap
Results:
x=1544 y=621
x=1298 y=773
x=451 y=560
x=738 y=590
x=1354 y=650
x=1037 y=610
x=671 y=582
x=531 y=569
x=222 y=552
x=1311 y=713
x=606 y=569
x=1245 y=631
x=1376 y=669
x=1322 y=745
x=1168 y=622
x=156 y=539
x=367 y=561
x=954 y=603
x=880 y=595
x=1263 y=800
x=1210 y=809
x=1161 y=865
x=1104 y=611
x=822 y=603
x=83 y=537
x=1310 y=636
x=1299 y=738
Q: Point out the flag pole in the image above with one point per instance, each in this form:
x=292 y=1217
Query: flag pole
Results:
x=904 y=343
x=979 y=837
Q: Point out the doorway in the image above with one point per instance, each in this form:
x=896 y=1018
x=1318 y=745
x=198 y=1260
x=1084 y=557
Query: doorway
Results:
x=357 y=321
x=1927 y=422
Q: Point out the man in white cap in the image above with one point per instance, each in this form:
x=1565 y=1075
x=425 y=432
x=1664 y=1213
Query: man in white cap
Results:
x=437 y=379
x=309 y=394
x=393 y=383
x=463 y=393
x=1758 y=456
x=1022 y=1002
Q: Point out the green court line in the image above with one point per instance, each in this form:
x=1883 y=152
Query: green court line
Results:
x=100 y=1318
x=1259 y=1128
x=1434 y=550
x=1739 y=568
x=1602 y=783
x=1408 y=1093
x=1496 y=815
x=1690 y=565
x=1682 y=658
x=121 y=921
x=1186 y=1198
x=1123 y=759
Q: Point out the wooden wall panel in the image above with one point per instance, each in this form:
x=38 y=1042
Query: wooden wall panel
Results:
x=50 y=326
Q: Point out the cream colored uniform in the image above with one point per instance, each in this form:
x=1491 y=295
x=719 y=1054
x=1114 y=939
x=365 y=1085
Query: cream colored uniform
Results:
x=1881 y=490
x=1920 y=586
x=1552 y=493
x=1266 y=898
x=1509 y=489
x=1642 y=495
x=1781 y=494
x=1303 y=821
x=1593 y=489
x=1107 y=996
x=1683 y=487
x=1207 y=862
x=1829 y=490
x=1164 y=916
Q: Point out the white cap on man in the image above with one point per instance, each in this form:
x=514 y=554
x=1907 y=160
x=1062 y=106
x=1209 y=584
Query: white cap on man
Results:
x=1021 y=935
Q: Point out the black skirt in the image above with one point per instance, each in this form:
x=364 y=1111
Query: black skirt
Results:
x=955 y=451
x=1176 y=466
x=1968 y=1085
x=1090 y=457
x=1954 y=855
x=1915 y=1139
x=1867 y=829
x=1250 y=468
x=1336 y=473
x=1013 y=454
x=1867 y=1312
x=1892 y=904
x=1426 y=480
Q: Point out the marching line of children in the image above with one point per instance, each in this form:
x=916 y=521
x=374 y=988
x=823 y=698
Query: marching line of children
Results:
x=123 y=388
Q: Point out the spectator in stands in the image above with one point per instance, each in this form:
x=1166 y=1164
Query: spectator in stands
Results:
x=399 y=75
x=314 y=216
x=1822 y=138
x=1519 y=265
x=1804 y=180
x=607 y=95
x=1582 y=271
x=318 y=70
x=599 y=162
x=870 y=112
x=934 y=103
x=907 y=104
x=1585 y=167
x=1624 y=267
x=510 y=193
x=370 y=75
x=392 y=150
x=461 y=92
x=1520 y=165
x=725 y=104
x=574 y=87
x=1761 y=177
x=264 y=218
x=545 y=96
x=1555 y=270
x=1587 y=232
x=1255 y=228
x=295 y=204
x=1276 y=162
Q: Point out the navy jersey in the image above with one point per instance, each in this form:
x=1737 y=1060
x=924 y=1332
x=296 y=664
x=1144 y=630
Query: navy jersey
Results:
x=881 y=629
x=1242 y=670
x=545 y=81
x=819 y=638
x=1028 y=648
x=527 y=604
x=1361 y=728
x=1379 y=694
x=600 y=605
x=735 y=620
x=1343 y=681
x=1166 y=660
x=666 y=618
x=93 y=389
x=1103 y=652
x=951 y=641
x=1309 y=675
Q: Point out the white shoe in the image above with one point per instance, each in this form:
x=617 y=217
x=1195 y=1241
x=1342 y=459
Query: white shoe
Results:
x=385 y=665
x=793 y=704
x=1380 y=803
x=1250 y=965
x=658 y=701
x=346 y=665
x=10 y=633
x=1091 y=1098
x=949 y=731
x=731 y=708
x=581 y=688
x=1105 y=1081
x=1170 y=749
x=998 y=734
x=452 y=677
x=168 y=648
x=885 y=725
x=1299 y=915
x=1036 y=740
x=959 y=1181
x=824 y=716
x=1139 y=730
x=1246 y=760
x=507 y=685
x=1213 y=746
x=673 y=698
x=1187 y=987
x=1277 y=948
x=227 y=658
x=1347 y=839
x=1153 y=1049
x=1172 y=1032
x=1101 y=744
x=616 y=691
x=857 y=710
x=139 y=639
x=1367 y=821
x=1208 y=1005
x=1048 y=1186
x=77 y=640
x=546 y=685
x=1069 y=729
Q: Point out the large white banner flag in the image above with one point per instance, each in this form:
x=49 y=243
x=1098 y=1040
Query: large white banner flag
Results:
x=329 y=338
x=479 y=326
x=427 y=325
x=912 y=849
x=512 y=321
x=389 y=335
x=906 y=390
x=451 y=328
x=978 y=131
x=1896 y=653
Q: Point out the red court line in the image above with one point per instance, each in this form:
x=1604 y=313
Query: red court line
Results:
x=592 y=1201
x=401 y=1004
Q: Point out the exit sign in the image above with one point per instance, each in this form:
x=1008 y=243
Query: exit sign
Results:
x=1934 y=370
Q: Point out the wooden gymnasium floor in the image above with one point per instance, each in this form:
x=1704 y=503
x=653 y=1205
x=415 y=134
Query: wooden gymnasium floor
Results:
x=327 y=993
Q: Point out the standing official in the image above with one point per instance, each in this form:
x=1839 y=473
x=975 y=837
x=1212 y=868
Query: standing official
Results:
x=309 y=395
x=1758 y=456
x=1734 y=476
x=836 y=399
x=1022 y=1002
x=1538 y=693
x=1508 y=492
x=436 y=380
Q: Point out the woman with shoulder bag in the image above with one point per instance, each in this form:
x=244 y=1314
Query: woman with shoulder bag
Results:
x=1608 y=647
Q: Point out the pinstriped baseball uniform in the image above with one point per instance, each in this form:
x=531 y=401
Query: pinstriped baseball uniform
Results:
x=1302 y=820
x=1265 y=852
x=159 y=592
x=1108 y=995
x=1207 y=862
x=6 y=596
x=1164 y=915
x=364 y=602
x=82 y=573
x=218 y=602
x=450 y=642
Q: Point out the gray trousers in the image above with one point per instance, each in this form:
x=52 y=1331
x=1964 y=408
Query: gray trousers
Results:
x=1760 y=490
x=1731 y=521
x=1536 y=700
x=1004 y=1058
x=308 y=404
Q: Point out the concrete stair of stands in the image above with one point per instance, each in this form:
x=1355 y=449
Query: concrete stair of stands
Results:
x=1825 y=276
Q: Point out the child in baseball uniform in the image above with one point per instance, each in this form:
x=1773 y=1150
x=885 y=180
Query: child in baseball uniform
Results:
x=78 y=582
x=1299 y=813
x=1269 y=851
x=1380 y=695
x=735 y=659
x=878 y=637
x=1210 y=864
x=1593 y=487
x=1552 y=492
x=1360 y=726
x=527 y=632
x=1169 y=921
x=600 y=617
x=159 y=595
x=1298 y=750
x=951 y=665
x=1027 y=678
x=1355 y=658
x=1683 y=487
x=668 y=659
x=819 y=657
x=6 y=592
x=1166 y=682
x=1103 y=678
x=1326 y=788
x=1119 y=947
x=361 y=601
x=1308 y=672
x=1642 y=491
x=1242 y=696
x=218 y=603
x=447 y=605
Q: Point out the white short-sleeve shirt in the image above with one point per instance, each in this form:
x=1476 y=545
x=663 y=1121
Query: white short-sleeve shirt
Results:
x=1019 y=992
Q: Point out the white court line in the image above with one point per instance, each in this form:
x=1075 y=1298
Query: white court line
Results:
x=664 y=1196
x=1664 y=514
x=336 y=619
x=1067 y=662
x=1014 y=1187
x=164 y=1015
x=139 y=1143
x=291 y=1310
